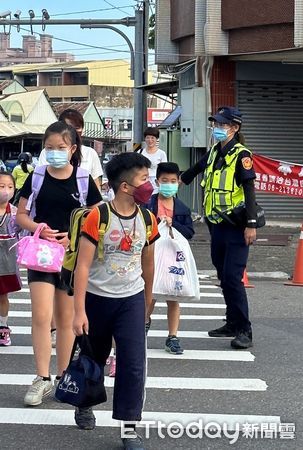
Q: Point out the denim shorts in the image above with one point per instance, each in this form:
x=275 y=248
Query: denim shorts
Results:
x=47 y=277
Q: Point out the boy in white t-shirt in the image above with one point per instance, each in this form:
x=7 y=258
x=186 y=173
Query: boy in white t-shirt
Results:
x=90 y=160
x=153 y=153
x=110 y=294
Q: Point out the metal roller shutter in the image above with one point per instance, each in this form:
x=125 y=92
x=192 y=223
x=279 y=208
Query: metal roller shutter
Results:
x=272 y=124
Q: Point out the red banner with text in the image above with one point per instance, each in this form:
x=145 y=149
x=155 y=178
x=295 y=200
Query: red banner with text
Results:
x=278 y=177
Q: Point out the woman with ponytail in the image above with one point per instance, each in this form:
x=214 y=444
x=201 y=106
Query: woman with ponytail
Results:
x=228 y=183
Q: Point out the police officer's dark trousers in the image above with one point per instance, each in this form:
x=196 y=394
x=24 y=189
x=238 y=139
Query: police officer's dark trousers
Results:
x=229 y=255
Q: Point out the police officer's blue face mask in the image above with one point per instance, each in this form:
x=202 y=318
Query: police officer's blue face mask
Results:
x=57 y=158
x=220 y=134
x=168 y=189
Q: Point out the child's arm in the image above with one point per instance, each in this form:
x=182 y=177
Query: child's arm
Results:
x=24 y=221
x=148 y=274
x=186 y=228
x=85 y=258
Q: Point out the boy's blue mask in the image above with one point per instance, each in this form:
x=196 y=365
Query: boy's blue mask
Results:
x=168 y=189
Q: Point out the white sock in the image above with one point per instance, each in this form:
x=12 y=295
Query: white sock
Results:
x=3 y=321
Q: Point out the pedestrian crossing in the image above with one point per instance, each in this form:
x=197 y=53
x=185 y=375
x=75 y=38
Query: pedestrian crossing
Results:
x=208 y=366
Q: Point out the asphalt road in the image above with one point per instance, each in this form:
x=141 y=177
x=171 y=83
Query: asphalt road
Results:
x=210 y=382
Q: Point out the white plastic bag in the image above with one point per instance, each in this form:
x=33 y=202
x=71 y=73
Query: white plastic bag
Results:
x=176 y=275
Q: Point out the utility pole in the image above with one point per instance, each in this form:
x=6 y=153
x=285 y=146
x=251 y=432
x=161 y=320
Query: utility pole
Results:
x=139 y=55
x=141 y=72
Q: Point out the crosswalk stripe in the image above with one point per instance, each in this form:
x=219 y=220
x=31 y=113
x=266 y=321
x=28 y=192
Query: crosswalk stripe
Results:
x=217 y=384
x=65 y=417
x=183 y=334
x=197 y=355
x=202 y=282
x=188 y=317
x=195 y=305
x=152 y=333
x=208 y=290
x=25 y=314
x=26 y=301
x=20 y=301
x=202 y=294
x=208 y=286
x=211 y=294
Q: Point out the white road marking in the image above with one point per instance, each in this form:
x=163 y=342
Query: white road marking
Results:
x=197 y=355
x=195 y=305
x=65 y=417
x=217 y=384
x=188 y=317
x=152 y=333
x=25 y=314
x=26 y=301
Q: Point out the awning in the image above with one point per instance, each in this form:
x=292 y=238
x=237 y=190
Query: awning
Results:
x=12 y=129
x=172 y=118
x=165 y=88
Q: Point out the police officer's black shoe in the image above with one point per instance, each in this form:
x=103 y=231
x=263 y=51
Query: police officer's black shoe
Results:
x=225 y=331
x=242 y=340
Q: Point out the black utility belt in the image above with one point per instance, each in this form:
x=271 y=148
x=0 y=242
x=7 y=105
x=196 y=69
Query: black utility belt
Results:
x=238 y=217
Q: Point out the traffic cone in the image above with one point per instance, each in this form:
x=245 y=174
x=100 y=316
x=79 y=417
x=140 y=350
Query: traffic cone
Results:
x=245 y=280
x=297 y=279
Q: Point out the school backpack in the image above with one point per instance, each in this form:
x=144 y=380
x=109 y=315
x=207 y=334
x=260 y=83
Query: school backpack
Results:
x=77 y=219
x=82 y=177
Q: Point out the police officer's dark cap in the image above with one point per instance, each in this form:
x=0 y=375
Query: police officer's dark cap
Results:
x=227 y=114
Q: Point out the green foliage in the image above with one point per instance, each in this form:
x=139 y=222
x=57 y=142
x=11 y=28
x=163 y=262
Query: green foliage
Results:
x=151 y=32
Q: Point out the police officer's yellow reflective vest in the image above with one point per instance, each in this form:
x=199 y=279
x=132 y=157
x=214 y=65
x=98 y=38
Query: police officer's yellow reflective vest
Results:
x=221 y=192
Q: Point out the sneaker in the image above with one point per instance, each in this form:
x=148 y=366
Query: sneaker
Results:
x=5 y=336
x=242 y=340
x=147 y=326
x=54 y=338
x=85 y=419
x=172 y=345
x=133 y=441
x=224 y=331
x=38 y=390
x=112 y=366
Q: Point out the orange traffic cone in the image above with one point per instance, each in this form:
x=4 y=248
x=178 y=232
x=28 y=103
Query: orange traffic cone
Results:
x=297 y=279
x=245 y=281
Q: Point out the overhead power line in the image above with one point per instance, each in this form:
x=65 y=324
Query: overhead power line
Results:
x=90 y=11
x=115 y=7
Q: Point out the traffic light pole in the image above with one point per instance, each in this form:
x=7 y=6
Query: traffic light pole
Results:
x=139 y=97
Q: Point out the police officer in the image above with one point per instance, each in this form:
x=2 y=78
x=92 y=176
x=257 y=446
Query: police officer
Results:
x=230 y=209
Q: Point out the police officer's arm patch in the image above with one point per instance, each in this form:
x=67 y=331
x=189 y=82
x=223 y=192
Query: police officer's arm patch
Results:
x=247 y=163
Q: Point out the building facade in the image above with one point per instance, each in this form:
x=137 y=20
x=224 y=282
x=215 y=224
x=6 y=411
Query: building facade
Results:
x=248 y=54
x=33 y=50
x=104 y=82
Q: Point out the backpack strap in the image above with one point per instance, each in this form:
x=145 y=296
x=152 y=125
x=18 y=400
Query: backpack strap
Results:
x=82 y=177
x=146 y=216
x=37 y=181
x=104 y=223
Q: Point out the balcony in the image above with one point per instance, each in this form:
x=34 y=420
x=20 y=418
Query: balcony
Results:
x=65 y=92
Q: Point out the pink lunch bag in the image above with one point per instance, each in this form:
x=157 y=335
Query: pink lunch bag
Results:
x=39 y=254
